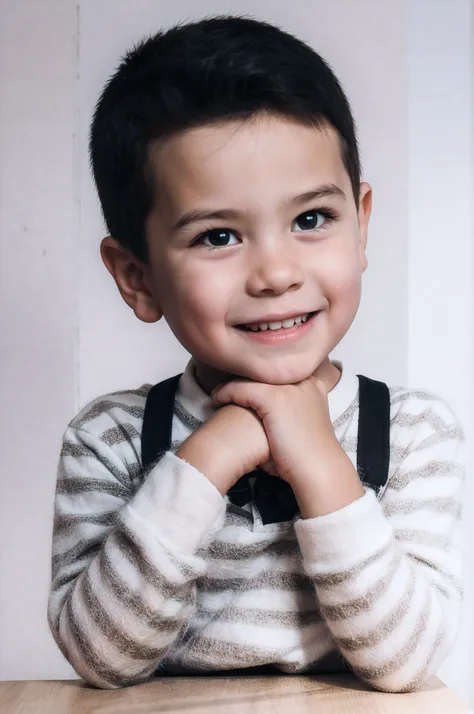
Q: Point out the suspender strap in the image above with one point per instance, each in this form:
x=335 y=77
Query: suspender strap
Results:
x=373 y=437
x=158 y=421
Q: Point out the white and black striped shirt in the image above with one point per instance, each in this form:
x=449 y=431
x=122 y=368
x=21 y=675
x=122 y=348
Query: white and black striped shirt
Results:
x=163 y=572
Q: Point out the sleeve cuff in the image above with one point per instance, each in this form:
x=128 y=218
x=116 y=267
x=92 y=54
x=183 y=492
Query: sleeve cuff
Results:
x=179 y=505
x=343 y=537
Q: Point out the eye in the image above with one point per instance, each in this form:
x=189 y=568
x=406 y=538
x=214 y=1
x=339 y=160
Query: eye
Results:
x=217 y=238
x=313 y=220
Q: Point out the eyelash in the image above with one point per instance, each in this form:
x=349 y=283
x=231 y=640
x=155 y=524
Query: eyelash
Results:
x=329 y=214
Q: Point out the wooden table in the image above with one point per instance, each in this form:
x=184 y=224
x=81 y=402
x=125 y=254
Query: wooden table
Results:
x=226 y=695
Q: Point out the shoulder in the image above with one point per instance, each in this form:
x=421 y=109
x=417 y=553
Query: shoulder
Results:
x=102 y=444
x=114 y=412
x=420 y=409
x=423 y=428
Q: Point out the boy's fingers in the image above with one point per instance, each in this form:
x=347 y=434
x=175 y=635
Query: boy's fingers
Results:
x=246 y=394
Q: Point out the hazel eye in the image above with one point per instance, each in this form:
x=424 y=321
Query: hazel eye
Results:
x=218 y=238
x=310 y=220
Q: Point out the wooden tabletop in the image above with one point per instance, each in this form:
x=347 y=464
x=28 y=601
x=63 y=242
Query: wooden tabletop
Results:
x=226 y=695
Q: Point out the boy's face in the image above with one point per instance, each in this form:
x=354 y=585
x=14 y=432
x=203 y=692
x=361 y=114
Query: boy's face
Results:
x=286 y=241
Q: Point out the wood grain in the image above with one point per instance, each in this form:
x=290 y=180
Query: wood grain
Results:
x=226 y=695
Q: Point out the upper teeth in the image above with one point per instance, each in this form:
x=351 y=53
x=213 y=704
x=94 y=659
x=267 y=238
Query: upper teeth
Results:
x=278 y=325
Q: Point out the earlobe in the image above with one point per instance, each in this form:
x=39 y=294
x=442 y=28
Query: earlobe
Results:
x=131 y=278
x=365 y=210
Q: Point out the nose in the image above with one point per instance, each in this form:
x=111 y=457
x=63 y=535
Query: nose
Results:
x=274 y=269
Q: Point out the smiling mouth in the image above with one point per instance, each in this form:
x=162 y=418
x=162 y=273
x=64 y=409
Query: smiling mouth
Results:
x=283 y=324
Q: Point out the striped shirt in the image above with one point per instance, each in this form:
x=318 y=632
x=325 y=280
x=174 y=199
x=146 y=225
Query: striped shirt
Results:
x=160 y=573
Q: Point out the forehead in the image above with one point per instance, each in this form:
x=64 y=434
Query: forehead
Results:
x=246 y=163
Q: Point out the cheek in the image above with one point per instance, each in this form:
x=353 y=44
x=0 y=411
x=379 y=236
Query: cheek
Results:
x=194 y=298
x=341 y=282
x=344 y=286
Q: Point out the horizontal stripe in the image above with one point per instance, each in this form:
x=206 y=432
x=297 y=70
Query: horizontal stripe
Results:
x=136 y=602
x=413 y=394
x=346 y=417
x=327 y=580
x=80 y=451
x=185 y=417
x=349 y=444
x=221 y=550
x=353 y=608
x=397 y=454
x=454 y=433
x=421 y=675
x=435 y=571
x=392 y=665
x=111 y=629
x=71 y=486
x=103 y=672
x=269 y=580
x=69 y=521
x=83 y=549
x=401 y=479
x=140 y=561
x=117 y=434
x=390 y=622
x=139 y=392
x=236 y=516
x=261 y=618
x=427 y=416
x=438 y=505
x=216 y=654
x=90 y=657
x=413 y=535
x=60 y=580
x=105 y=406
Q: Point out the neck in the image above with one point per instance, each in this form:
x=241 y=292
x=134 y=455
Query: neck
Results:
x=209 y=377
x=328 y=373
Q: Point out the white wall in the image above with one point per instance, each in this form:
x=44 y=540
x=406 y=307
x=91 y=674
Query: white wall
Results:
x=68 y=337
x=440 y=250
x=38 y=312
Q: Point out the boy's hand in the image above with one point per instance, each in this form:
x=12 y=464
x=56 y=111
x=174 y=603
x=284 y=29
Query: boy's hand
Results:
x=303 y=445
x=295 y=418
x=228 y=445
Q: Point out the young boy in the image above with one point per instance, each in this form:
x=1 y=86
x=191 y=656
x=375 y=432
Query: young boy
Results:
x=233 y=518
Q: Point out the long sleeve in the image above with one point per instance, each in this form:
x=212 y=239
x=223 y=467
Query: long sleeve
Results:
x=388 y=573
x=124 y=560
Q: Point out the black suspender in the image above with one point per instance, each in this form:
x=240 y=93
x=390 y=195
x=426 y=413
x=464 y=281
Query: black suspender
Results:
x=157 y=421
x=373 y=434
x=273 y=497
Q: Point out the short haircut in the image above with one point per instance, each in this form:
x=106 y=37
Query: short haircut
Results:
x=217 y=69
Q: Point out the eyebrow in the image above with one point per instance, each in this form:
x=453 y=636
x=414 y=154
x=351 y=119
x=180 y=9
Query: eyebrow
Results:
x=329 y=190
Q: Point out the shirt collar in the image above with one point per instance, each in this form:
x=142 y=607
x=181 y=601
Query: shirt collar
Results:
x=197 y=403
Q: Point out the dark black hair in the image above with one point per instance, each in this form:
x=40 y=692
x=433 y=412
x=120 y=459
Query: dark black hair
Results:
x=220 y=68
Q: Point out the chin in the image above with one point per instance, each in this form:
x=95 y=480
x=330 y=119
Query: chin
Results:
x=282 y=372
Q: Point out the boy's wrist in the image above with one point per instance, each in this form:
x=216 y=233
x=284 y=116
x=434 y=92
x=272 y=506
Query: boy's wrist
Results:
x=209 y=460
x=335 y=486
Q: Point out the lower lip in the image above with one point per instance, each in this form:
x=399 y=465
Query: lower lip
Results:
x=283 y=335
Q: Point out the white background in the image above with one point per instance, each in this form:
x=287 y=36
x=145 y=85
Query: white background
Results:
x=66 y=336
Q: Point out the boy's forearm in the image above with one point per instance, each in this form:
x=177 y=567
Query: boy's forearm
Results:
x=392 y=615
x=116 y=608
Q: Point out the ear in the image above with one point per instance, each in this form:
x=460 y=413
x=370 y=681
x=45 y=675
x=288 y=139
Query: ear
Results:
x=365 y=209
x=132 y=278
